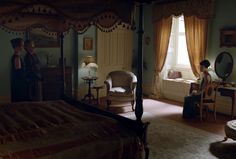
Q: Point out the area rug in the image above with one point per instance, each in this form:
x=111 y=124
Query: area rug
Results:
x=168 y=139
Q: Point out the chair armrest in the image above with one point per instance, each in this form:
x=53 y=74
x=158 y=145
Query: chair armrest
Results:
x=133 y=86
x=108 y=83
x=134 y=82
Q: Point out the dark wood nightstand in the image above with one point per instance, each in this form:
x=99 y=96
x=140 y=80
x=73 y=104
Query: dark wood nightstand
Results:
x=52 y=82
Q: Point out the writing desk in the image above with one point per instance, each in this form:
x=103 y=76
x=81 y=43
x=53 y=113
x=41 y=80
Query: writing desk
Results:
x=230 y=92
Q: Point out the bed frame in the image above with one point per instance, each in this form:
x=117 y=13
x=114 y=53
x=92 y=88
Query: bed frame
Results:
x=137 y=126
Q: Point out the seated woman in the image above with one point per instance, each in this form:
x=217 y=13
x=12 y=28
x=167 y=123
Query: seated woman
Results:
x=190 y=109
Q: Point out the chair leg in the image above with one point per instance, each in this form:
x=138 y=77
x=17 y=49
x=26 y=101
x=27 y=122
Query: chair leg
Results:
x=132 y=103
x=225 y=138
x=207 y=110
x=108 y=104
x=214 y=112
x=201 y=113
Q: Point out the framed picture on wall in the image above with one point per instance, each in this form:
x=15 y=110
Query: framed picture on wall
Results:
x=43 y=39
x=228 y=38
x=88 y=43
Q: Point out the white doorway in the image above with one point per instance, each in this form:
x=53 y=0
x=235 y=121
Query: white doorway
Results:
x=114 y=52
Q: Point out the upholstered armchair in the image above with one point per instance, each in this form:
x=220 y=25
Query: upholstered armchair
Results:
x=121 y=86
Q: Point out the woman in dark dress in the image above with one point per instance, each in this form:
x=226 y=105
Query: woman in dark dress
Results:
x=190 y=108
x=33 y=74
x=18 y=81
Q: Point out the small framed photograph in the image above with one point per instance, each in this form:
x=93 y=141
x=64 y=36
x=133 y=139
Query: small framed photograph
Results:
x=44 y=39
x=228 y=38
x=88 y=43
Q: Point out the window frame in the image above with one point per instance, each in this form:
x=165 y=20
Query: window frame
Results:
x=172 y=53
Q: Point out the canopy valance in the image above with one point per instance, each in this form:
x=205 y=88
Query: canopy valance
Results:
x=203 y=9
x=61 y=15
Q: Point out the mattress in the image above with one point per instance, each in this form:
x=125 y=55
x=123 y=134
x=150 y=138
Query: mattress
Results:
x=58 y=130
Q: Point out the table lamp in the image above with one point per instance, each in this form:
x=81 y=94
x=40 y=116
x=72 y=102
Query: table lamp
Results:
x=89 y=63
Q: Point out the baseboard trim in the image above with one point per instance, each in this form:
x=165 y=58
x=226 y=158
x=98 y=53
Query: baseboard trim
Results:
x=5 y=99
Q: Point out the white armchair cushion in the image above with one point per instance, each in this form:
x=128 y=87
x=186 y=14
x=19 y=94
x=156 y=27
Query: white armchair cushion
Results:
x=118 y=89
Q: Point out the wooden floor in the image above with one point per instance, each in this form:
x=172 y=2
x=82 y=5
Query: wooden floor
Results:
x=171 y=110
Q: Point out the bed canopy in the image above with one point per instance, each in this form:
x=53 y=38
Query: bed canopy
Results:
x=60 y=16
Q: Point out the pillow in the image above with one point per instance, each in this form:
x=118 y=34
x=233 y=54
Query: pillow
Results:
x=174 y=74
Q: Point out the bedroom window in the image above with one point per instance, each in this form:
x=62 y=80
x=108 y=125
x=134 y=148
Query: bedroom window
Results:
x=177 y=54
x=177 y=46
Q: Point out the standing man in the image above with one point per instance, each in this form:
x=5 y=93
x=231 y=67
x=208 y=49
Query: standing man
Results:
x=33 y=74
x=18 y=81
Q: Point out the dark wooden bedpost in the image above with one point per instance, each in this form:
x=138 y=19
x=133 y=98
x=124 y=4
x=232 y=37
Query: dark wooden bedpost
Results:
x=62 y=64
x=139 y=90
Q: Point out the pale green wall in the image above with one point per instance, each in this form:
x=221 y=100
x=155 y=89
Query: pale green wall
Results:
x=148 y=55
x=224 y=17
x=69 y=47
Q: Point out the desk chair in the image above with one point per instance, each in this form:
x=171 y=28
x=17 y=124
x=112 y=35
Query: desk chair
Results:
x=208 y=98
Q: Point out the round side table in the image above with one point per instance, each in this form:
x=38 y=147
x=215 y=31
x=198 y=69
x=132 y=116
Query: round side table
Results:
x=89 y=95
x=97 y=88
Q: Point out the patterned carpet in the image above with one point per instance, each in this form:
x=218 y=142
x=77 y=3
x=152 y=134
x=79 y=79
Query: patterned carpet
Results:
x=169 y=139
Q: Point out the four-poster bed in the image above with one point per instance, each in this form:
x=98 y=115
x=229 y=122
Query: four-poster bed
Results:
x=59 y=17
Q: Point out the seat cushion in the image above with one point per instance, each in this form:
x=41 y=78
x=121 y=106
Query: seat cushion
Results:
x=230 y=129
x=118 y=90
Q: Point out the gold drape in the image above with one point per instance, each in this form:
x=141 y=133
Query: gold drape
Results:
x=162 y=35
x=162 y=30
x=203 y=9
x=196 y=31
